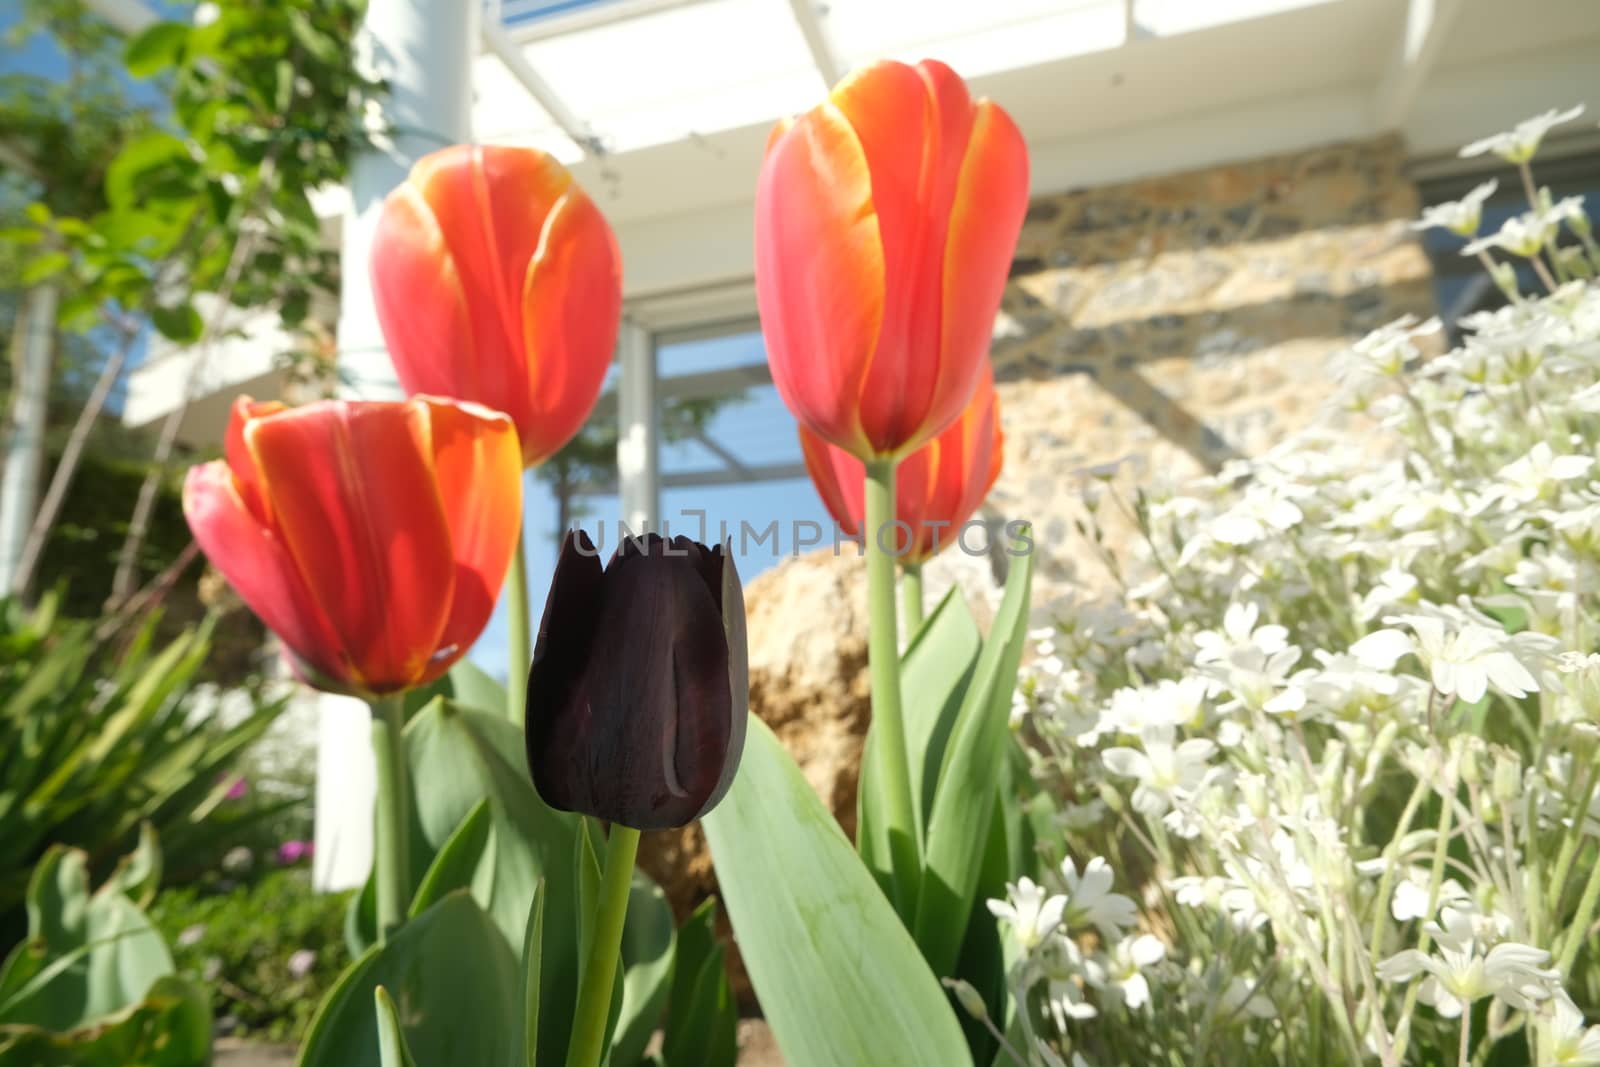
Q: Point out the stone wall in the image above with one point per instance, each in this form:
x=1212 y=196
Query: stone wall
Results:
x=1166 y=324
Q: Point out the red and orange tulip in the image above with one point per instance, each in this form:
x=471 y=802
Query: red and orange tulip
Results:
x=498 y=281
x=937 y=488
x=886 y=219
x=372 y=537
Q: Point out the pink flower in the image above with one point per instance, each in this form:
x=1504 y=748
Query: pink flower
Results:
x=292 y=852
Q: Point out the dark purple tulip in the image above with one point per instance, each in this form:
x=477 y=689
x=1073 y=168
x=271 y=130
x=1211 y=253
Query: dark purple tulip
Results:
x=640 y=682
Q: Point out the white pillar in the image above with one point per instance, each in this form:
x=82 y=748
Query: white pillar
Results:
x=423 y=49
x=23 y=446
x=638 y=442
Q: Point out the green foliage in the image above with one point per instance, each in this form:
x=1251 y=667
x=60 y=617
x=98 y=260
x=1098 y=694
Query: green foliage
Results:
x=264 y=107
x=94 y=742
x=454 y=979
x=702 y=1022
x=93 y=984
x=840 y=978
x=269 y=951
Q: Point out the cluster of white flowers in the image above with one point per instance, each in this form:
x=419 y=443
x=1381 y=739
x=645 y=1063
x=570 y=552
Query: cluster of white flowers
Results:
x=1341 y=747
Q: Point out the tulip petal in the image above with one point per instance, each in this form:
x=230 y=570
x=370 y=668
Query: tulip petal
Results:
x=556 y=719
x=731 y=605
x=246 y=479
x=477 y=466
x=257 y=564
x=354 y=496
x=434 y=341
x=985 y=221
x=913 y=123
x=819 y=273
x=571 y=301
x=839 y=478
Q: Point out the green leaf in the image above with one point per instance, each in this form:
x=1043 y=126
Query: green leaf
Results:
x=532 y=949
x=170 y=1027
x=648 y=938
x=964 y=798
x=392 y=1049
x=139 y=872
x=840 y=979
x=157 y=49
x=125 y=954
x=586 y=864
x=458 y=757
x=179 y=323
x=934 y=673
x=701 y=1028
x=453 y=981
x=44 y=266
x=152 y=166
x=453 y=868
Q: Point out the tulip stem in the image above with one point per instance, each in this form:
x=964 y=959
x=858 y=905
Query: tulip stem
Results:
x=911 y=596
x=600 y=969
x=883 y=661
x=517 y=624
x=394 y=817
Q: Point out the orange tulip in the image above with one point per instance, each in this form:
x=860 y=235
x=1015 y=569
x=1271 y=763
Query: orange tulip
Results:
x=498 y=281
x=886 y=219
x=937 y=488
x=371 y=537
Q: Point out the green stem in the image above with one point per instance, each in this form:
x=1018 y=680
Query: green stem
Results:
x=911 y=595
x=1578 y=928
x=600 y=969
x=883 y=661
x=521 y=644
x=394 y=817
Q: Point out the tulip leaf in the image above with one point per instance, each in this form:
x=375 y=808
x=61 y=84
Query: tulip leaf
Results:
x=934 y=673
x=701 y=1028
x=392 y=1049
x=170 y=1027
x=115 y=953
x=964 y=797
x=648 y=941
x=453 y=868
x=532 y=948
x=460 y=757
x=453 y=981
x=841 y=980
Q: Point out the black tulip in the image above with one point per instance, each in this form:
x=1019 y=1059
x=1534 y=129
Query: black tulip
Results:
x=639 y=687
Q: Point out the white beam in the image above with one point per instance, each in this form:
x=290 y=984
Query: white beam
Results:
x=639 y=442
x=129 y=17
x=1415 y=52
x=808 y=16
x=499 y=42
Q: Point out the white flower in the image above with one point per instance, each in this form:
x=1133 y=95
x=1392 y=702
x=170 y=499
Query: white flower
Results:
x=1239 y=632
x=1538 y=475
x=1518 y=144
x=1030 y=912
x=1521 y=235
x=1466 y=659
x=1463 y=972
x=1570 y=1043
x=1258 y=513
x=1458 y=216
x=1091 y=901
x=1163 y=769
x=1123 y=974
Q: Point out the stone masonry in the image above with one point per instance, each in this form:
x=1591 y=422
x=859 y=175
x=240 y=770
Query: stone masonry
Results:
x=1167 y=324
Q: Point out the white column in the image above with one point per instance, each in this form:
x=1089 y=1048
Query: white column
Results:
x=424 y=50
x=638 y=442
x=23 y=446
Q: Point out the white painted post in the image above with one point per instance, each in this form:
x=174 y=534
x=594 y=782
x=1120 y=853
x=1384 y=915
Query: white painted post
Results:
x=424 y=50
x=24 y=440
x=638 y=443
